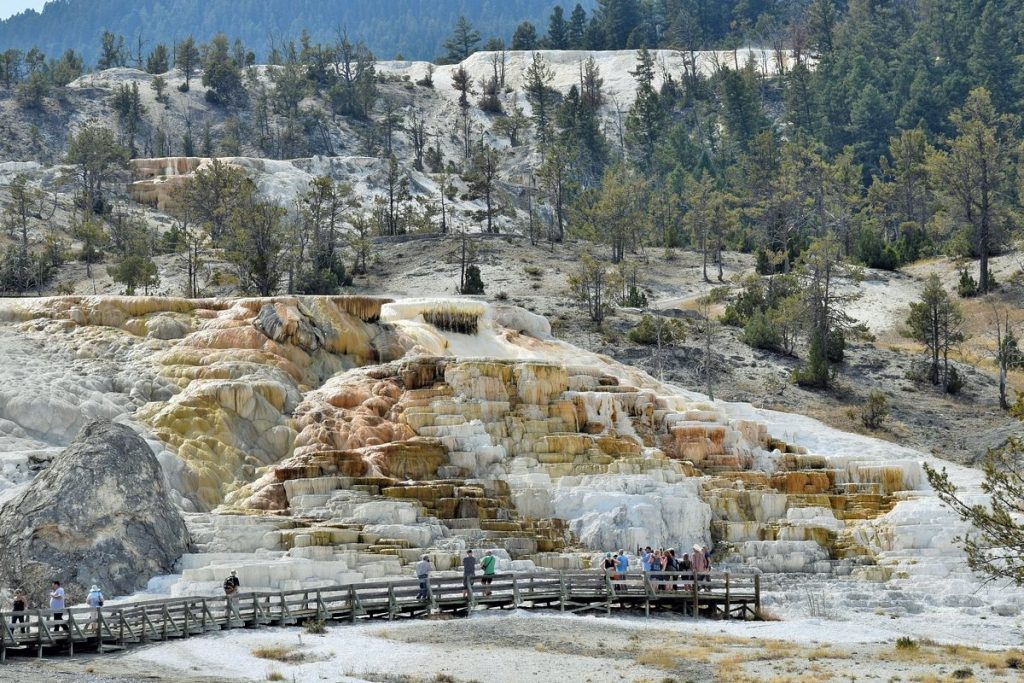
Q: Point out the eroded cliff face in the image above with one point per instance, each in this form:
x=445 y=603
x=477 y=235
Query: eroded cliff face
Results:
x=326 y=439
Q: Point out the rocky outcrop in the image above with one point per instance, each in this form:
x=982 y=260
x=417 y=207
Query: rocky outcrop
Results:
x=100 y=513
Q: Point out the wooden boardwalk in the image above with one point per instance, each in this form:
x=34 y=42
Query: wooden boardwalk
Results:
x=116 y=627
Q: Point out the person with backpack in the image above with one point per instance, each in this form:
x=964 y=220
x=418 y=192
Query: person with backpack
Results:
x=95 y=597
x=231 y=584
x=94 y=600
x=488 y=564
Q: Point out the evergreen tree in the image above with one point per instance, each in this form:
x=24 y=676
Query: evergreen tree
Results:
x=525 y=37
x=462 y=43
x=539 y=94
x=558 y=30
x=975 y=176
x=158 y=62
x=575 y=32
x=935 y=321
x=186 y=58
x=112 y=51
x=222 y=73
x=646 y=116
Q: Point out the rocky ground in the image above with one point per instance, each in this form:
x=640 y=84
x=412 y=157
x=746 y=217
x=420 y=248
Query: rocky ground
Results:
x=511 y=648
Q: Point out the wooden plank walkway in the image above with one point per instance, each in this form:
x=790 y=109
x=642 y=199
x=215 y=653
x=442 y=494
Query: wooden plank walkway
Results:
x=115 y=627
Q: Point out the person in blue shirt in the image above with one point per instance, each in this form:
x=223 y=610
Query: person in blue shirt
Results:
x=622 y=564
x=645 y=559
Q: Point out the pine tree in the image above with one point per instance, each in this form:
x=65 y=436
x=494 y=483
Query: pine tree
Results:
x=186 y=58
x=525 y=37
x=577 y=28
x=935 y=321
x=558 y=36
x=975 y=175
x=539 y=94
x=646 y=116
x=462 y=43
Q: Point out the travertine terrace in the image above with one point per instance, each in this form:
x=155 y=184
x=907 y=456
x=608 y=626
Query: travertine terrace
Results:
x=318 y=440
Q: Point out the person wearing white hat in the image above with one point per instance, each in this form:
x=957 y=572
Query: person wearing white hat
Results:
x=94 y=600
x=95 y=597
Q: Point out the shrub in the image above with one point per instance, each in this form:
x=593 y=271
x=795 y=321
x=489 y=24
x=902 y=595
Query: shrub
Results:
x=316 y=626
x=954 y=383
x=651 y=327
x=963 y=674
x=1014 y=662
x=634 y=298
x=760 y=333
x=533 y=271
x=968 y=286
x=835 y=346
x=501 y=296
x=906 y=643
x=873 y=252
x=474 y=284
x=875 y=410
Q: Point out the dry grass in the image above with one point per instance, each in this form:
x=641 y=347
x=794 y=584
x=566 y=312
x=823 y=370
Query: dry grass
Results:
x=278 y=653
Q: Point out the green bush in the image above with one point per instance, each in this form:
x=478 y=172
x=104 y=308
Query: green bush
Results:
x=316 y=626
x=954 y=383
x=968 y=286
x=474 y=283
x=760 y=333
x=836 y=346
x=634 y=298
x=815 y=373
x=650 y=327
x=871 y=250
x=874 y=412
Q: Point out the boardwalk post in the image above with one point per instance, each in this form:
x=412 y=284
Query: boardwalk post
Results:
x=392 y=604
x=515 y=592
x=727 y=595
x=757 y=595
x=561 y=590
x=39 y=633
x=648 y=589
x=431 y=598
x=352 y=602
x=609 y=589
x=696 y=597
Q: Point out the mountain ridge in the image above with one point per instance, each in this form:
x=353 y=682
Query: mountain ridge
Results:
x=413 y=28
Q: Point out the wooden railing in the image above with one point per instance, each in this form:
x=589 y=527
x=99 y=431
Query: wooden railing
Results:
x=118 y=626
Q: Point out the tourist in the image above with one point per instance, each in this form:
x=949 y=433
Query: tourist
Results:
x=645 y=559
x=686 y=567
x=700 y=564
x=57 y=605
x=231 y=583
x=20 y=605
x=468 y=571
x=94 y=600
x=95 y=597
x=488 y=564
x=423 y=574
x=609 y=563
x=622 y=564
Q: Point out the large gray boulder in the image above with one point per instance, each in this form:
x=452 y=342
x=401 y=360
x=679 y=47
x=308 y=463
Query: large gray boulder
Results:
x=100 y=513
